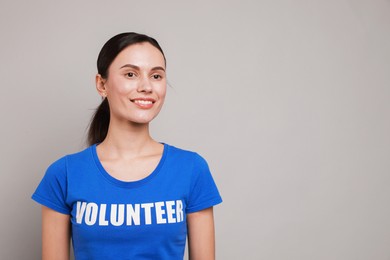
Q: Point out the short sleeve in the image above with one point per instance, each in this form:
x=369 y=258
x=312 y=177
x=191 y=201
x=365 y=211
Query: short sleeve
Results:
x=203 y=192
x=51 y=191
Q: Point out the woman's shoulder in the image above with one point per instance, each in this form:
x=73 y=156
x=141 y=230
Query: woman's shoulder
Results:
x=62 y=162
x=180 y=151
x=185 y=154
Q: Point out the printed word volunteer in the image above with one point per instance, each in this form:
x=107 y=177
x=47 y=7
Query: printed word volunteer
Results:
x=129 y=214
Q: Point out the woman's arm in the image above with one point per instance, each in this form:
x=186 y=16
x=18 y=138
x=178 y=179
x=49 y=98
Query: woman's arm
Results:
x=201 y=239
x=55 y=235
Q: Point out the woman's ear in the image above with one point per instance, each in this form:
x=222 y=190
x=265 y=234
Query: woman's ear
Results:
x=101 y=85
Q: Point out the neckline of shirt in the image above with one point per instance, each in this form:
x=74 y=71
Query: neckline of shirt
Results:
x=128 y=184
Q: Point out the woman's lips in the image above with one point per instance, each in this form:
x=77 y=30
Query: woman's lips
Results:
x=144 y=103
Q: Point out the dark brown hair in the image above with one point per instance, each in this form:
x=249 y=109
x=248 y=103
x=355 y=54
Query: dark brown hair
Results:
x=100 y=121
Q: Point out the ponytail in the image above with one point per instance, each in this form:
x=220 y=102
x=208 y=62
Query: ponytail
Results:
x=98 y=127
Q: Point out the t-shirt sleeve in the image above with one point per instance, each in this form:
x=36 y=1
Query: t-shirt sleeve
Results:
x=203 y=191
x=51 y=191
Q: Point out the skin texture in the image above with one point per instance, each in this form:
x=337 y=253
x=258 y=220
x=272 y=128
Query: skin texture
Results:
x=55 y=235
x=201 y=245
x=135 y=89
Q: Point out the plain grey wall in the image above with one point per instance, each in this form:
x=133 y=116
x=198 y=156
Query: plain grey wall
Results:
x=288 y=100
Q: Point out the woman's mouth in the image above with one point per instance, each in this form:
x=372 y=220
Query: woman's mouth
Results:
x=143 y=103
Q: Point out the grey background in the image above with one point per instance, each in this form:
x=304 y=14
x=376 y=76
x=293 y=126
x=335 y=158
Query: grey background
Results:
x=287 y=100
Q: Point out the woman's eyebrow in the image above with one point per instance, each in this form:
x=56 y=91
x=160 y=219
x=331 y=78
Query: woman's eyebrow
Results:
x=158 y=68
x=138 y=68
x=130 y=66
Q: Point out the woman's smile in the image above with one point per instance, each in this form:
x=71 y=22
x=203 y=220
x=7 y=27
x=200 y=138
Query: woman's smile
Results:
x=143 y=103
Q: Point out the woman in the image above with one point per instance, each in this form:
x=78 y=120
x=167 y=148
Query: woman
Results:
x=127 y=196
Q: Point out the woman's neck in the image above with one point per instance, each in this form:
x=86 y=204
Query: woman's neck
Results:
x=128 y=140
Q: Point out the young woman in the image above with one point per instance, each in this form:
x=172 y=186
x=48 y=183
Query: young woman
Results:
x=128 y=196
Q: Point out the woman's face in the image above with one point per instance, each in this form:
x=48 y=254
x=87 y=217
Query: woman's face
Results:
x=136 y=84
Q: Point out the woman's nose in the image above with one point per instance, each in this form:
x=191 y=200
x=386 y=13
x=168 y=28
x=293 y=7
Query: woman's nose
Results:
x=145 y=85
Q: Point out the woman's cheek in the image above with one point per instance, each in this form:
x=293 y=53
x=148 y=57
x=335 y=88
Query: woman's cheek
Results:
x=125 y=87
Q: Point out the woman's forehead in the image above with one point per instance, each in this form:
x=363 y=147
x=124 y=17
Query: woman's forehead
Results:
x=140 y=54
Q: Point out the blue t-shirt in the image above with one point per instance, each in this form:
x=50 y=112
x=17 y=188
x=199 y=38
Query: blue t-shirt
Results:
x=113 y=219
